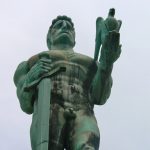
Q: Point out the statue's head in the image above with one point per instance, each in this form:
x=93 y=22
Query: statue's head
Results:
x=61 y=32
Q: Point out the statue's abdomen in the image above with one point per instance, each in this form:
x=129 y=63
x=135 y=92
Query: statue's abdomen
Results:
x=69 y=85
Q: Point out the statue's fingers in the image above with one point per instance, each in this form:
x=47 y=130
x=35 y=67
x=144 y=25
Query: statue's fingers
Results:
x=47 y=64
x=118 y=51
x=33 y=73
x=112 y=41
x=119 y=25
x=48 y=68
x=43 y=71
x=45 y=60
x=114 y=34
x=116 y=38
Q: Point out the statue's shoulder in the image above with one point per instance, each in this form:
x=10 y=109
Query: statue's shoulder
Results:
x=83 y=59
x=53 y=54
x=83 y=56
x=21 y=70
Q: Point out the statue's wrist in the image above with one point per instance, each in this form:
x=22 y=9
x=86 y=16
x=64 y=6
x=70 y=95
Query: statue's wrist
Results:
x=106 y=66
x=26 y=84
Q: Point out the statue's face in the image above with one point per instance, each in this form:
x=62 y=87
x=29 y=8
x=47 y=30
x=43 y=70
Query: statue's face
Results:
x=62 y=32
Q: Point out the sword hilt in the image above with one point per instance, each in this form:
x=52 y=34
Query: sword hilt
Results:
x=47 y=75
x=50 y=74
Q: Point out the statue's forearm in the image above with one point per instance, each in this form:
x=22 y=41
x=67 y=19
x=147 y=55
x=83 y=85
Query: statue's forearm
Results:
x=25 y=97
x=20 y=80
x=102 y=83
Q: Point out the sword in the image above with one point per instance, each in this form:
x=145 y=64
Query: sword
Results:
x=44 y=95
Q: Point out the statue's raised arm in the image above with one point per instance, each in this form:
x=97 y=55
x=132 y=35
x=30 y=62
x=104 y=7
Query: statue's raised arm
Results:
x=108 y=44
x=105 y=27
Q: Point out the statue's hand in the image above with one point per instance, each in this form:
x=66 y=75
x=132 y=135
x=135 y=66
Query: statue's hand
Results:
x=42 y=67
x=111 y=49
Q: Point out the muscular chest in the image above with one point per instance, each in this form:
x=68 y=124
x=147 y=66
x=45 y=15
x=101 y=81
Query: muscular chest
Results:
x=78 y=67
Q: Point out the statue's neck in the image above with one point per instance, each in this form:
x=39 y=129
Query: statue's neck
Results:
x=61 y=47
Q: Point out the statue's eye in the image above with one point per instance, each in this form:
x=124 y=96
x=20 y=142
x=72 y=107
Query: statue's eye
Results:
x=69 y=26
x=58 y=25
x=62 y=23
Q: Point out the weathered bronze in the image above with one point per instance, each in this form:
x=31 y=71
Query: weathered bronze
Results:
x=60 y=87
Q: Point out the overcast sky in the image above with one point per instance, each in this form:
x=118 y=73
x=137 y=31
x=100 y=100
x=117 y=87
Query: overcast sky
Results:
x=124 y=120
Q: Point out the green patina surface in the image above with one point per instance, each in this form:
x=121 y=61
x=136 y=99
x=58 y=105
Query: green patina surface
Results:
x=60 y=87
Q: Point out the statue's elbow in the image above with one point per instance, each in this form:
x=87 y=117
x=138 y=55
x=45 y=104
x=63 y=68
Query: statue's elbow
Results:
x=27 y=109
x=102 y=98
x=101 y=101
x=26 y=102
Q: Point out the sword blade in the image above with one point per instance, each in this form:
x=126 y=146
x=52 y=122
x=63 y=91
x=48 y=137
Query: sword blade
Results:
x=44 y=95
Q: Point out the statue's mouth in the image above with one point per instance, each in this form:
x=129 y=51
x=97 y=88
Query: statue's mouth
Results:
x=65 y=32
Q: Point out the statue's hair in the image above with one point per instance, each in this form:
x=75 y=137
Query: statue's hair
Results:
x=54 y=21
x=61 y=18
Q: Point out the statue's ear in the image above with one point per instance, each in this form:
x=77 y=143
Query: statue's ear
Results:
x=48 y=43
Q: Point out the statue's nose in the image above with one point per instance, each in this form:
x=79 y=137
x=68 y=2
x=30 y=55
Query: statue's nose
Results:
x=64 y=24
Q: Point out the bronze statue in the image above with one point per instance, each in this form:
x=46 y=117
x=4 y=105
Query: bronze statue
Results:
x=60 y=87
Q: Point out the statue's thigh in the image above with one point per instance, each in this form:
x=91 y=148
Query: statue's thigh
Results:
x=85 y=133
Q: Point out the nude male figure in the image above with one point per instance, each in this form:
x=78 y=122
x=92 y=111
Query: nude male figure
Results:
x=74 y=92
